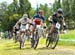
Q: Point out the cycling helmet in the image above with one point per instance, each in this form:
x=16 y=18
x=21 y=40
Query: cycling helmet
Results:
x=25 y=16
x=59 y=11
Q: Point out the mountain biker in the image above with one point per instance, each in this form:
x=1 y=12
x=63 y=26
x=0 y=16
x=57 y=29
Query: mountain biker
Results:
x=23 y=21
x=56 y=17
x=38 y=19
x=15 y=29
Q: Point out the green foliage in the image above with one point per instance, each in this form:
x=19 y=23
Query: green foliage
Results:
x=25 y=6
x=13 y=12
x=31 y=13
x=46 y=10
x=56 y=5
x=10 y=14
x=3 y=9
x=69 y=12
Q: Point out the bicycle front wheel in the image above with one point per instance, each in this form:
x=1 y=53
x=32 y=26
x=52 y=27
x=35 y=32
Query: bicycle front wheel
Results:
x=36 y=40
x=54 y=40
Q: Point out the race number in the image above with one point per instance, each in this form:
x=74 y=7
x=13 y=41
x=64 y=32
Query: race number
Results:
x=57 y=25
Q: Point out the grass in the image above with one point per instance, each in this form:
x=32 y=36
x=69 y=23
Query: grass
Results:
x=8 y=47
x=69 y=35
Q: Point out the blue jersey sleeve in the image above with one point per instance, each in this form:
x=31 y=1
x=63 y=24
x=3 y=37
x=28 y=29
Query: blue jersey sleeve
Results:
x=34 y=16
x=37 y=16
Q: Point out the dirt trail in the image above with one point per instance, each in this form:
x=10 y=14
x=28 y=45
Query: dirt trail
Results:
x=59 y=50
x=10 y=48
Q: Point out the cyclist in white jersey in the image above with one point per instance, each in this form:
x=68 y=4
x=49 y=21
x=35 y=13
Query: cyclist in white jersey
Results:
x=23 y=21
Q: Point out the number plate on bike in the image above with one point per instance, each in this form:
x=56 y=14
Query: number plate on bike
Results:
x=38 y=26
x=57 y=25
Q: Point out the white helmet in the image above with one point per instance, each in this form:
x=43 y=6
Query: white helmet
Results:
x=25 y=16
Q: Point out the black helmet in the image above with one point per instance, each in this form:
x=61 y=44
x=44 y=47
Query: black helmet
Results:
x=60 y=11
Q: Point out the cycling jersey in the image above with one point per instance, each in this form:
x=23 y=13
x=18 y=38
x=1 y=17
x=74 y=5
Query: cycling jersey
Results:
x=37 y=19
x=24 y=22
x=54 y=19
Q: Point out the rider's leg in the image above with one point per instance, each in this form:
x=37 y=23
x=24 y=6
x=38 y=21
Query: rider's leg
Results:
x=52 y=28
x=15 y=36
x=32 y=35
x=20 y=33
x=32 y=28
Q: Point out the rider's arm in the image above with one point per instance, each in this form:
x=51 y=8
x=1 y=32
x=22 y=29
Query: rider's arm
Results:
x=30 y=22
x=49 y=18
x=43 y=22
x=34 y=17
x=63 y=22
x=16 y=26
x=18 y=23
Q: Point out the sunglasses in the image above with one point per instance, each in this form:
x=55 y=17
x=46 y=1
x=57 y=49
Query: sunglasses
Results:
x=40 y=12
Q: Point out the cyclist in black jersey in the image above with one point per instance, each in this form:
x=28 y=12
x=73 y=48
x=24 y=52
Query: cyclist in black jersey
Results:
x=56 y=17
